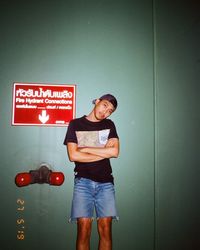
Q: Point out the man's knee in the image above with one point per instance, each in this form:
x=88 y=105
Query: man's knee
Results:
x=105 y=227
x=84 y=226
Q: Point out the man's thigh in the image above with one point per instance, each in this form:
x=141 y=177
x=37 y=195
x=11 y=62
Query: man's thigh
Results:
x=105 y=203
x=83 y=200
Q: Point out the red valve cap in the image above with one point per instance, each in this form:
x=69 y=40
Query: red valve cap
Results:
x=56 y=178
x=22 y=179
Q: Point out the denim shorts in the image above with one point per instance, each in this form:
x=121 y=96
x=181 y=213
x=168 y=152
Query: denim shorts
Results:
x=89 y=195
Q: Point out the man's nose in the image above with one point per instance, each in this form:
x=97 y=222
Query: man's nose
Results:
x=104 y=111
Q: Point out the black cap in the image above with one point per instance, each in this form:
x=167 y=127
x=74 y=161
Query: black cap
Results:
x=109 y=98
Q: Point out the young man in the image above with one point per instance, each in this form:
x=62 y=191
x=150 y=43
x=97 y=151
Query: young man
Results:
x=91 y=141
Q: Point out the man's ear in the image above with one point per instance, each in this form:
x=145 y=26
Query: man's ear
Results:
x=97 y=101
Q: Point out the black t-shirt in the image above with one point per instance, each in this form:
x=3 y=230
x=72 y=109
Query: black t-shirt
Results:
x=92 y=134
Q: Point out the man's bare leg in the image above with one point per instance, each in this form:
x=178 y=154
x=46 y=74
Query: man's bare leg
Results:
x=105 y=233
x=84 y=227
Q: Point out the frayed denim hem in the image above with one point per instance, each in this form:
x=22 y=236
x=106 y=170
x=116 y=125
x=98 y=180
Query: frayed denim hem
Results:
x=74 y=220
x=114 y=218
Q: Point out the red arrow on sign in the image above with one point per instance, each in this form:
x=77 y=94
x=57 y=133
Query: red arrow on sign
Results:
x=44 y=117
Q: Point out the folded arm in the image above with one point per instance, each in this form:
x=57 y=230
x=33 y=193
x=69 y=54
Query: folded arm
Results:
x=111 y=149
x=75 y=154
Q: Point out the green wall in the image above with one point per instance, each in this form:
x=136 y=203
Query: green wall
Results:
x=177 y=125
x=147 y=54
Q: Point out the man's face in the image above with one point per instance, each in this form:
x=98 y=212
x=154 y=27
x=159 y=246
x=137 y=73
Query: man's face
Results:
x=103 y=109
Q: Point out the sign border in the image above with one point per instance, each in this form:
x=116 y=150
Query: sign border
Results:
x=41 y=84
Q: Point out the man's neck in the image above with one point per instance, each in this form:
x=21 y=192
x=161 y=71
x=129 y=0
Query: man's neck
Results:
x=91 y=117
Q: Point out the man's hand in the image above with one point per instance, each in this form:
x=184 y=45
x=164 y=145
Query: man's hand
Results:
x=111 y=142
